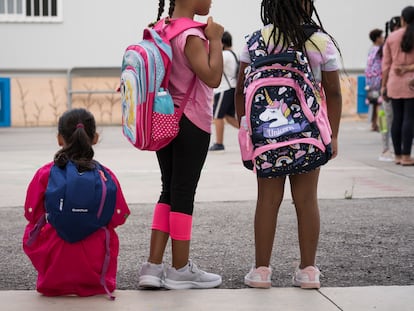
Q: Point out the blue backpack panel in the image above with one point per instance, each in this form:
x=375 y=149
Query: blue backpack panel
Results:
x=79 y=203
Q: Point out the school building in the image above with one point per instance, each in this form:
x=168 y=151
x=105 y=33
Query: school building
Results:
x=57 y=54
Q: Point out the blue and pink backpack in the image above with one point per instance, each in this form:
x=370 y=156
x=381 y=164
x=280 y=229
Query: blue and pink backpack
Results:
x=286 y=130
x=150 y=119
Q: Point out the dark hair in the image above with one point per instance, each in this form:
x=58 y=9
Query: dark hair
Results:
x=226 y=39
x=390 y=26
x=288 y=16
x=375 y=34
x=407 y=42
x=78 y=129
x=161 y=5
x=395 y=22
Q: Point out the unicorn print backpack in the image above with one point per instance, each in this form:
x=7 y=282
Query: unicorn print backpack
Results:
x=286 y=130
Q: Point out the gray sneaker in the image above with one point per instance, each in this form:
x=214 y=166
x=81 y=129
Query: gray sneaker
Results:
x=190 y=277
x=151 y=275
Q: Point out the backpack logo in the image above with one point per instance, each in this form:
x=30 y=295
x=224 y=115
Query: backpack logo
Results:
x=150 y=120
x=286 y=122
x=78 y=204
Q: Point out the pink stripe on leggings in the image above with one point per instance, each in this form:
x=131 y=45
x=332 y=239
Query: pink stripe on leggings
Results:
x=180 y=226
x=161 y=218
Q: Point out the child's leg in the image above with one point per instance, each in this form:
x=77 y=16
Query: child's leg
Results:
x=190 y=150
x=219 y=126
x=269 y=198
x=304 y=193
x=159 y=241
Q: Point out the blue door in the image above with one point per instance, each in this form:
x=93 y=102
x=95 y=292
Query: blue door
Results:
x=4 y=102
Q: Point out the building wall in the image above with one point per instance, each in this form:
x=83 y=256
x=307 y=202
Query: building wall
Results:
x=94 y=33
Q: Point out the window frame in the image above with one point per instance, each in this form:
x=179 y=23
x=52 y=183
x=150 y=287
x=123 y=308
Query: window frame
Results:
x=23 y=18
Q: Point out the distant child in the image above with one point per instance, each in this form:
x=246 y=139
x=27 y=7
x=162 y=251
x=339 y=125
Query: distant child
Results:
x=386 y=108
x=224 y=108
x=373 y=75
x=73 y=206
x=197 y=54
x=286 y=28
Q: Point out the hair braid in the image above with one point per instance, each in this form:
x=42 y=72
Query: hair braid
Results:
x=171 y=9
x=288 y=16
x=161 y=6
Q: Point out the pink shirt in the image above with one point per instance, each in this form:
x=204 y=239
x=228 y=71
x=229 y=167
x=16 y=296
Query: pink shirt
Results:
x=397 y=86
x=198 y=109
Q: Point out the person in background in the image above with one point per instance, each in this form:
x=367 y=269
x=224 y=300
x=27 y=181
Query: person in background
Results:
x=399 y=51
x=373 y=75
x=385 y=112
x=223 y=108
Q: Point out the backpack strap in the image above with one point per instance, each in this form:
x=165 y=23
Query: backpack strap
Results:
x=34 y=233
x=180 y=109
x=105 y=265
x=237 y=67
x=172 y=27
x=257 y=46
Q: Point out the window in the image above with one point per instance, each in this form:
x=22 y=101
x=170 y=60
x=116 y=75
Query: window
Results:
x=30 y=11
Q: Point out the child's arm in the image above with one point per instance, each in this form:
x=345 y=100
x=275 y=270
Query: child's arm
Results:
x=122 y=211
x=35 y=194
x=239 y=95
x=207 y=65
x=332 y=89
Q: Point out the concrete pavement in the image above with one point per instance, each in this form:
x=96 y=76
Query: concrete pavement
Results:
x=355 y=174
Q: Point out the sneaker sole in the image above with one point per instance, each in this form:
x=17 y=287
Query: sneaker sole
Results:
x=307 y=285
x=171 y=284
x=148 y=281
x=255 y=284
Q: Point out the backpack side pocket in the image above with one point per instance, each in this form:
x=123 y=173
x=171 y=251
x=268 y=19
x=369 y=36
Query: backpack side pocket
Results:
x=246 y=144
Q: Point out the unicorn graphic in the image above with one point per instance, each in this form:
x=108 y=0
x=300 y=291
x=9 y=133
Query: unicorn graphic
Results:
x=274 y=112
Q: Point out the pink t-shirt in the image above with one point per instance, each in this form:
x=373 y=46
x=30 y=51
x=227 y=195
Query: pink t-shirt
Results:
x=198 y=109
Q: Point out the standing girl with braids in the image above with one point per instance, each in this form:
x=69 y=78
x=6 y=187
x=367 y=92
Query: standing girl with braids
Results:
x=197 y=54
x=88 y=266
x=286 y=27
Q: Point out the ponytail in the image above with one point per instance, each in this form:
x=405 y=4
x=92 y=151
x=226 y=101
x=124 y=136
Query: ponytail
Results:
x=407 y=42
x=77 y=128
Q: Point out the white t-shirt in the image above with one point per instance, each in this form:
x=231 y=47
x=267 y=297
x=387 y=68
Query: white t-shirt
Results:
x=229 y=68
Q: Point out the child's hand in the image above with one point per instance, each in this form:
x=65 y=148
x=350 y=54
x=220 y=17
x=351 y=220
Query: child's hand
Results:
x=400 y=70
x=213 y=31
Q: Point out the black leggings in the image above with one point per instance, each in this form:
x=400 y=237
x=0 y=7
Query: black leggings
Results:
x=402 y=128
x=181 y=163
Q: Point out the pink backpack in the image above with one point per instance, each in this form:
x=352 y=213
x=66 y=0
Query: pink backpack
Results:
x=286 y=130
x=150 y=120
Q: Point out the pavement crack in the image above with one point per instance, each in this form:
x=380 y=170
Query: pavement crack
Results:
x=330 y=300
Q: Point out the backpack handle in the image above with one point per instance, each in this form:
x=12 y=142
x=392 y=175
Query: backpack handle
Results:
x=172 y=27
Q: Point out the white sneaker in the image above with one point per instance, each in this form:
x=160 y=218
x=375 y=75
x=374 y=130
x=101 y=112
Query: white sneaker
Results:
x=190 y=277
x=386 y=157
x=151 y=275
x=260 y=277
x=307 y=277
